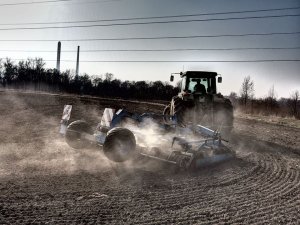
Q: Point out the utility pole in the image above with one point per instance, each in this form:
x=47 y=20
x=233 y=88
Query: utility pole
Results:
x=58 y=56
x=77 y=62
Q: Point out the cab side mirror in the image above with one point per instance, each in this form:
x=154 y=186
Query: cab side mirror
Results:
x=219 y=79
x=171 y=78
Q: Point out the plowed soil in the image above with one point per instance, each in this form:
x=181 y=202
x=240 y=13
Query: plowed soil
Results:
x=43 y=180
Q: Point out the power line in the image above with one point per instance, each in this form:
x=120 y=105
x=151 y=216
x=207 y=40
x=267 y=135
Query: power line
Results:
x=174 y=61
x=188 y=61
x=153 y=38
x=149 y=23
x=37 y=2
x=42 y=2
x=161 y=50
x=155 y=17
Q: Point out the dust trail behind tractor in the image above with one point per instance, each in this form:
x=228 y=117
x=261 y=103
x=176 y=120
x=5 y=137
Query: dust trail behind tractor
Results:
x=185 y=148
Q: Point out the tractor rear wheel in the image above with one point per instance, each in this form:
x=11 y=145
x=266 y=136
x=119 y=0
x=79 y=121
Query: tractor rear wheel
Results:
x=167 y=110
x=119 y=145
x=167 y=114
x=213 y=116
x=223 y=116
x=75 y=134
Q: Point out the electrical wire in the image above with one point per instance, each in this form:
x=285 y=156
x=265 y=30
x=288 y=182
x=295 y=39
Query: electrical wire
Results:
x=153 y=38
x=42 y=2
x=149 y=23
x=174 y=61
x=153 y=17
x=188 y=61
x=160 y=50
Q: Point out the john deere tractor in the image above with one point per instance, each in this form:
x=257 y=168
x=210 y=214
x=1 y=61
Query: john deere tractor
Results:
x=199 y=103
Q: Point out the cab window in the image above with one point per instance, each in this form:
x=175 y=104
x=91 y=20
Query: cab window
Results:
x=193 y=82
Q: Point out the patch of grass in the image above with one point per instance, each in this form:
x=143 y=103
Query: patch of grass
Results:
x=284 y=121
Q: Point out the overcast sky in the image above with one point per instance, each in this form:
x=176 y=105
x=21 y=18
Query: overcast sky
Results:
x=285 y=76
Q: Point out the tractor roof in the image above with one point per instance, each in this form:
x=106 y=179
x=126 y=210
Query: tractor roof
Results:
x=200 y=74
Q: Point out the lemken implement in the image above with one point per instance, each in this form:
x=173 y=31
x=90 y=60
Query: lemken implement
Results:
x=124 y=136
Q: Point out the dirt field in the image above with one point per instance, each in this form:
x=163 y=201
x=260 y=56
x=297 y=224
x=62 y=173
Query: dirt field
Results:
x=43 y=180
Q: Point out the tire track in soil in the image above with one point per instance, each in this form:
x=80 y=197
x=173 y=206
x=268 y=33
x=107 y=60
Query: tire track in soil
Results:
x=267 y=198
x=277 y=182
x=265 y=188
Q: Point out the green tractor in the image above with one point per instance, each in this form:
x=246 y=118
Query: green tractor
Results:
x=199 y=103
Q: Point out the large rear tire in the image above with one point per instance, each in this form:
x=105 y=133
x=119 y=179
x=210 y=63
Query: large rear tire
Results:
x=75 y=134
x=223 y=116
x=119 y=145
x=214 y=116
x=167 y=114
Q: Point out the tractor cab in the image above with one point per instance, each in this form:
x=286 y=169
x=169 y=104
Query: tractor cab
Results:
x=197 y=84
x=199 y=103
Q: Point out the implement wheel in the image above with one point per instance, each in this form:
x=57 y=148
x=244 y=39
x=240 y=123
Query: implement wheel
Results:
x=75 y=134
x=119 y=144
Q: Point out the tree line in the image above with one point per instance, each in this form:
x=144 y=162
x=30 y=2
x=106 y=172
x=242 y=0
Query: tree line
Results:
x=32 y=75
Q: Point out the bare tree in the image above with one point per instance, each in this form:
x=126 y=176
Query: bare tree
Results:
x=109 y=77
x=293 y=103
x=270 y=100
x=233 y=98
x=272 y=93
x=10 y=71
x=96 y=79
x=247 y=90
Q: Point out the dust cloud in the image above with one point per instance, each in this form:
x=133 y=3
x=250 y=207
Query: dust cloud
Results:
x=30 y=142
